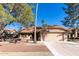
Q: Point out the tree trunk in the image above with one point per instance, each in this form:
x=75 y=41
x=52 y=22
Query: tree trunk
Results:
x=35 y=38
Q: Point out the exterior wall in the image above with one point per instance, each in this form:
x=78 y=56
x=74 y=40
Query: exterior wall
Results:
x=56 y=30
x=25 y=37
x=55 y=35
x=30 y=36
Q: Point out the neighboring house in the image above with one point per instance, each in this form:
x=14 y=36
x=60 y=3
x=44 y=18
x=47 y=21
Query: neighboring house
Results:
x=55 y=33
x=29 y=32
x=74 y=33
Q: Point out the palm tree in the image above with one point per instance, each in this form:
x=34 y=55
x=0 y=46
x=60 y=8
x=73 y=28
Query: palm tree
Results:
x=35 y=23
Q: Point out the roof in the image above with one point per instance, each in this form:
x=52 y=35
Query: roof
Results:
x=12 y=30
x=57 y=27
x=27 y=31
x=30 y=30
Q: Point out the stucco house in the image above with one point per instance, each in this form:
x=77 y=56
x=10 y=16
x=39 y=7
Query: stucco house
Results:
x=51 y=33
x=28 y=33
x=55 y=33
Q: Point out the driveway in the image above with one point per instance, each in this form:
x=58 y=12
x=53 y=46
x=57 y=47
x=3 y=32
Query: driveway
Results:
x=63 y=48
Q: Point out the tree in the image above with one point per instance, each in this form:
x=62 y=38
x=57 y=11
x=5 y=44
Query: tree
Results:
x=19 y=12
x=4 y=16
x=43 y=23
x=44 y=26
x=23 y=13
x=72 y=18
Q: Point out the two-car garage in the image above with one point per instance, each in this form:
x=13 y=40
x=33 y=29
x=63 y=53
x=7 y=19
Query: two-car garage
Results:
x=53 y=37
x=54 y=33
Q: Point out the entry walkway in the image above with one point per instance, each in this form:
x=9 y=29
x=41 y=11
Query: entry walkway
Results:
x=60 y=48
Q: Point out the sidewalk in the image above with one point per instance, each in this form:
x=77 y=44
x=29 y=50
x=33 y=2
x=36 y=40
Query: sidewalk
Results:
x=25 y=54
x=60 y=48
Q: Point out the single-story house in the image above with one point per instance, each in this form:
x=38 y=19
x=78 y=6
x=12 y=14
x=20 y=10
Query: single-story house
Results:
x=74 y=33
x=28 y=33
x=54 y=33
x=51 y=33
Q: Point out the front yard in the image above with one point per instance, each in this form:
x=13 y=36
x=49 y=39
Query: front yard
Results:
x=24 y=49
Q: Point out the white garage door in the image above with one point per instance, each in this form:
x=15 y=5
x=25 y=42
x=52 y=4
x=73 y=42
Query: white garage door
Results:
x=53 y=37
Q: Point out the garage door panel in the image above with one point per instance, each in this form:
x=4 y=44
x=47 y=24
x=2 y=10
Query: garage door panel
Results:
x=53 y=37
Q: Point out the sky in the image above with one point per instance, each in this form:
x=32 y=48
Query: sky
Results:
x=52 y=13
x=15 y=26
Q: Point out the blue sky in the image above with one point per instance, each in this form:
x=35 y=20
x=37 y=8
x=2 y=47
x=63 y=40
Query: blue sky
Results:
x=51 y=12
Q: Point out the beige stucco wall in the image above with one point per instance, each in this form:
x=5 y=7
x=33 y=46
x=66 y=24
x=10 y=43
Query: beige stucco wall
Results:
x=55 y=35
x=56 y=30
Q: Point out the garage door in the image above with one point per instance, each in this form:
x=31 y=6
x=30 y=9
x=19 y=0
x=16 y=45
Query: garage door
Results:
x=53 y=37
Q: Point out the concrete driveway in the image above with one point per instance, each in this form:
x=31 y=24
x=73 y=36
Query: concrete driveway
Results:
x=63 y=48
